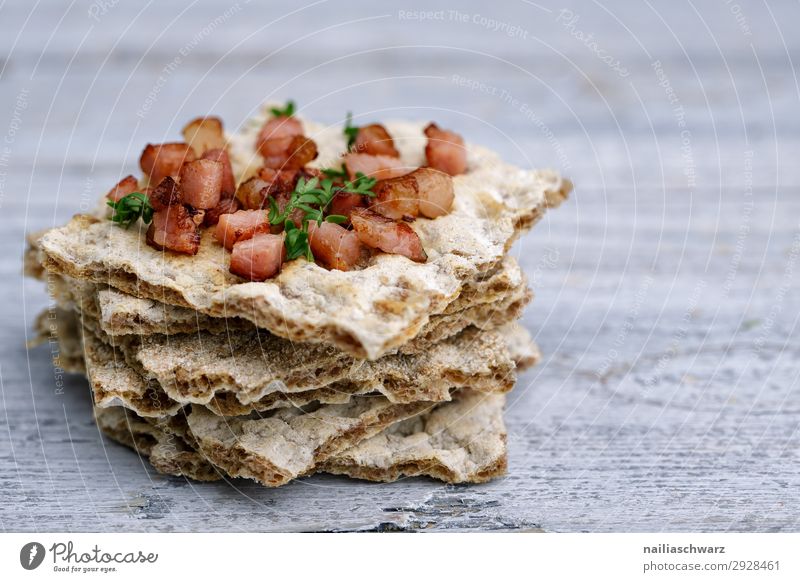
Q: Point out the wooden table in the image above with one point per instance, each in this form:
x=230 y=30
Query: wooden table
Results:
x=666 y=288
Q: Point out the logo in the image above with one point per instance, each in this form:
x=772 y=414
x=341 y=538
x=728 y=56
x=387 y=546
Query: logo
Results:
x=31 y=555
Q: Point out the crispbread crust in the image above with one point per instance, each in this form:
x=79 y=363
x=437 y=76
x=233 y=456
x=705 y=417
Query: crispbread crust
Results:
x=463 y=441
x=167 y=453
x=290 y=442
x=132 y=377
x=366 y=313
x=483 y=302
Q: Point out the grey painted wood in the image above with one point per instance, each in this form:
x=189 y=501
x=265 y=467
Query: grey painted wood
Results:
x=666 y=307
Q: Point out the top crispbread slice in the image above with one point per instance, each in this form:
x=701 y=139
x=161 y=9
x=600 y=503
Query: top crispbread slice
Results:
x=486 y=303
x=366 y=312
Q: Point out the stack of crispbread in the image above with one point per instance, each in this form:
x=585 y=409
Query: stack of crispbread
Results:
x=398 y=369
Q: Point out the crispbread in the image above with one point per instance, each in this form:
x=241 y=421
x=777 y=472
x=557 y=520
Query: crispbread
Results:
x=60 y=326
x=463 y=441
x=167 y=453
x=366 y=313
x=158 y=380
x=290 y=442
x=486 y=303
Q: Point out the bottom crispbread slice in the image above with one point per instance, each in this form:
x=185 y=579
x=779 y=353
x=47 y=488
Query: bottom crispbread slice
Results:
x=292 y=442
x=463 y=441
x=167 y=453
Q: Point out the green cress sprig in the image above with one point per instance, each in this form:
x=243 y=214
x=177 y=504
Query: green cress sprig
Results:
x=287 y=111
x=131 y=208
x=350 y=131
x=312 y=197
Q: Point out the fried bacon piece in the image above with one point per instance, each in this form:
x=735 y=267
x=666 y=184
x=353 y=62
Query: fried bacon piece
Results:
x=225 y=206
x=445 y=150
x=258 y=258
x=240 y=225
x=343 y=204
x=424 y=191
x=175 y=228
x=374 y=140
x=390 y=236
x=166 y=159
x=166 y=194
x=204 y=134
x=397 y=198
x=128 y=185
x=228 y=181
x=276 y=135
x=201 y=183
x=254 y=192
x=435 y=191
x=378 y=167
x=334 y=246
x=298 y=151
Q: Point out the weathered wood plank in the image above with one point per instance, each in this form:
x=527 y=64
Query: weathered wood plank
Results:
x=666 y=303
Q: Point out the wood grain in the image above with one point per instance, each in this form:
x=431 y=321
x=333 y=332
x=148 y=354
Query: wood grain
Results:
x=666 y=288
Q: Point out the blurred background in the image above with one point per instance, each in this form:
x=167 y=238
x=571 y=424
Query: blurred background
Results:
x=666 y=304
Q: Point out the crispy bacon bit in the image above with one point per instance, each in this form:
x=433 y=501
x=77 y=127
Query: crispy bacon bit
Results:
x=204 y=134
x=276 y=135
x=281 y=200
x=201 y=183
x=344 y=203
x=375 y=141
x=174 y=228
x=259 y=257
x=166 y=159
x=334 y=246
x=254 y=192
x=445 y=150
x=397 y=198
x=390 y=236
x=228 y=181
x=297 y=152
x=166 y=194
x=128 y=185
x=378 y=167
x=435 y=190
x=233 y=227
x=225 y=206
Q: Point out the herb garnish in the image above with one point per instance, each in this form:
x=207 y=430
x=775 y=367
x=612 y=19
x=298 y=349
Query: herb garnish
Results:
x=287 y=111
x=350 y=131
x=312 y=197
x=130 y=208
